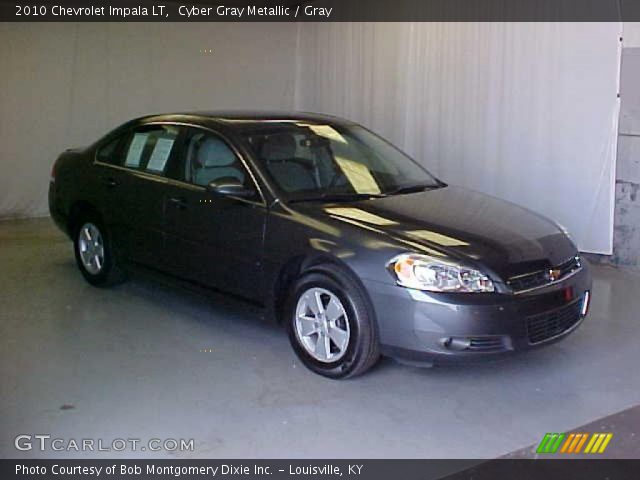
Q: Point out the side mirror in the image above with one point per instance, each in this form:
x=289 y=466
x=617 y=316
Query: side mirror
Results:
x=229 y=187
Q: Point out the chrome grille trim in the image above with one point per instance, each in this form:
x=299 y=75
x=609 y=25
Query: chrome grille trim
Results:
x=572 y=266
x=560 y=280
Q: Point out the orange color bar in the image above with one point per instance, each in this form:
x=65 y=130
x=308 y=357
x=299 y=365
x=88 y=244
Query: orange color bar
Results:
x=574 y=443
x=582 y=440
x=567 y=443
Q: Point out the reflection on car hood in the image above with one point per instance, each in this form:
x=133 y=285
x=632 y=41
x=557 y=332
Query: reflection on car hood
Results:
x=464 y=224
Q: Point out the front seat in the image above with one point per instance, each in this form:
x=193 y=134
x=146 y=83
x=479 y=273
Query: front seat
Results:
x=215 y=161
x=278 y=151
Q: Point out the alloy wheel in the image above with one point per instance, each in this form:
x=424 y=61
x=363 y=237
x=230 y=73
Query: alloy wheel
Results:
x=322 y=326
x=91 y=248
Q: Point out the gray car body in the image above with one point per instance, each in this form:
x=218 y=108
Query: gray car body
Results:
x=274 y=241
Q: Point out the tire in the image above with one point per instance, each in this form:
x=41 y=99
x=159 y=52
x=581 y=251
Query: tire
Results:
x=351 y=314
x=91 y=237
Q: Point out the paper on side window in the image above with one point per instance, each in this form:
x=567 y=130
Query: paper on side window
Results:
x=160 y=154
x=135 y=150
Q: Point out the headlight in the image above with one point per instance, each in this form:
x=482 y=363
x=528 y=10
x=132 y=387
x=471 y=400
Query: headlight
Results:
x=426 y=273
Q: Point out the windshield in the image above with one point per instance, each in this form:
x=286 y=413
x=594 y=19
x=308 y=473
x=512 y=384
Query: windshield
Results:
x=311 y=161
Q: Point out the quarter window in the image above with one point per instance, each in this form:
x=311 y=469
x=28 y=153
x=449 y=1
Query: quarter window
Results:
x=108 y=153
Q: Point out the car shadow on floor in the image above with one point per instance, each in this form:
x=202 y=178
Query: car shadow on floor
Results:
x=214 y=309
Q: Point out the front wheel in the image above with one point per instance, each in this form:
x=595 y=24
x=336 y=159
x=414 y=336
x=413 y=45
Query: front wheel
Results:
x=330 y=325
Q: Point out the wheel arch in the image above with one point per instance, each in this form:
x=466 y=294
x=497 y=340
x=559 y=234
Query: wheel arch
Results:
x=300 y=265
x=78 y=211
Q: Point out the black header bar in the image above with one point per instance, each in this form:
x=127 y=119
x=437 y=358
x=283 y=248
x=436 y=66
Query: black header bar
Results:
x=238 y=469
x=321 y=11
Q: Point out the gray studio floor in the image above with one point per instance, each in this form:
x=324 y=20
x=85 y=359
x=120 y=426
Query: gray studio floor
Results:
x=134 y=362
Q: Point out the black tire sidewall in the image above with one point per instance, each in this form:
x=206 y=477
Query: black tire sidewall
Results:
x=360 y=325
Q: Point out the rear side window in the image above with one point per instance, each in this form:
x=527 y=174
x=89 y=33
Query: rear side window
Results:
x=150 y=148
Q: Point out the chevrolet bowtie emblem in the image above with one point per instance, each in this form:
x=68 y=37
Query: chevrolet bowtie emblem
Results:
x=554 y=275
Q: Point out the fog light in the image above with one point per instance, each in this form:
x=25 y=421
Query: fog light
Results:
x=585 y=303
x=457 y=344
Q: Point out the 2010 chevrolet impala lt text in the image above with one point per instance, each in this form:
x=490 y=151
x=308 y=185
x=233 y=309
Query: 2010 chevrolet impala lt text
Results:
x=351 y=244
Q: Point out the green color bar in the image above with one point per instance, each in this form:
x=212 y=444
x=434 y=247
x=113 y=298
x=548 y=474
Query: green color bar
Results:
x=552 y=438
x=543 y=443
x=547 y=444
x=556 y=445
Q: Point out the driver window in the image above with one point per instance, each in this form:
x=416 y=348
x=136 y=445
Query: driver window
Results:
x=209 y=158
x=291 y=164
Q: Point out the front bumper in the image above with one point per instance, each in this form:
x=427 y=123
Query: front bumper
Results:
x=424 y=327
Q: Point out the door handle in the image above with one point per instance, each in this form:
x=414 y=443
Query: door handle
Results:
x=178 y=202
x=110 y=182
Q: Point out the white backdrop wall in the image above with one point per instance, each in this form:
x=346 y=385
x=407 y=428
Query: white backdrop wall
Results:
x=527 y=112
x=523 y=111
x=64 y=85
x=631 y=31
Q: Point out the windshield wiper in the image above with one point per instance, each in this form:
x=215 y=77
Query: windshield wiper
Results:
x=338 y=197
x=415 y=188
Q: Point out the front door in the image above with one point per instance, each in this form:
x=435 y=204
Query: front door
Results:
x=211 y=239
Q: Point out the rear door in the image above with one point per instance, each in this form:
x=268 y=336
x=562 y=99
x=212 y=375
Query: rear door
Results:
x=133 y=181
x=210 y=239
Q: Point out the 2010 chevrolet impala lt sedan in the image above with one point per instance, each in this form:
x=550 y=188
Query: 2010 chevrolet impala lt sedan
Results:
x=351 y=244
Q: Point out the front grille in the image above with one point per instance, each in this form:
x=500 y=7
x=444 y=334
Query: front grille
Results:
x=543 y=277
x=547 y=325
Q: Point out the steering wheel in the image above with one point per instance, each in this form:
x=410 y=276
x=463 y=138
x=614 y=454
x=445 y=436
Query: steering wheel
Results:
x=334 y=178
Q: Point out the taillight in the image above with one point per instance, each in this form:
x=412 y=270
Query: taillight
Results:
x=53 y=173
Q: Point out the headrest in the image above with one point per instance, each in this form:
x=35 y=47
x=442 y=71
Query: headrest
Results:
x=281 y=146
x=215 y=153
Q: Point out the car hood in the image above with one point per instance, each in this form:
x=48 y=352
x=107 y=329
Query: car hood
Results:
x=464 y=224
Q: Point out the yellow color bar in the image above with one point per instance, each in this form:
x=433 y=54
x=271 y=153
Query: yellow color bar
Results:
x=591 y=442
x=607 y=439
x=596 y=445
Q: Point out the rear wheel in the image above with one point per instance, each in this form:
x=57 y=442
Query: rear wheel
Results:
x=94 y=254
x=330 y=325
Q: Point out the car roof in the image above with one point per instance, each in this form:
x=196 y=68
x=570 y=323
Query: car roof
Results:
x=241 y=119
